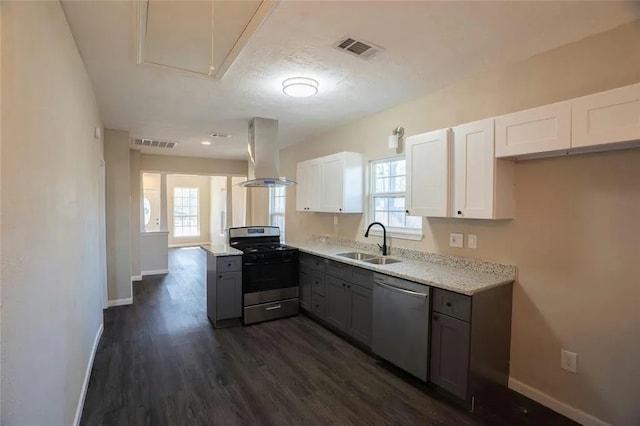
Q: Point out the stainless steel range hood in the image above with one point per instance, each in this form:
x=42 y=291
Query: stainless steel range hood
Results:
x=264 y=155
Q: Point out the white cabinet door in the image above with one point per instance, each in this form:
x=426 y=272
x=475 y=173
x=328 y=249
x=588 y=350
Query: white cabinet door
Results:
x=536 y=130
x=427 y=160
x=608 y=117
x=332 y=184
x=307 y=190
x=473 y=171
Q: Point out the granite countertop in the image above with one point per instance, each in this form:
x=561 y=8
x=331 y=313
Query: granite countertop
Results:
x=457 y=279
x=221 y=250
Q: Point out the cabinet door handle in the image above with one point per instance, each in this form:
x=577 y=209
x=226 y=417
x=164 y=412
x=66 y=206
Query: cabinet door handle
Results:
x=219 y=276
x=460 y=212
x=340 y=209
x=448 y=304
x=228 y=265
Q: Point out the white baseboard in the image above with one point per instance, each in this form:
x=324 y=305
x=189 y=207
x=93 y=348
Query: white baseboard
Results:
x=556 y=405
x=136 y=278
x=87 y=376
x=120 y=302
x=187 y=245
x=155 y=272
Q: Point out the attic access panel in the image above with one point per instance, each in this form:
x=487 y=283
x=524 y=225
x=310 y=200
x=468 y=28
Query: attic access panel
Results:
x=198 y=37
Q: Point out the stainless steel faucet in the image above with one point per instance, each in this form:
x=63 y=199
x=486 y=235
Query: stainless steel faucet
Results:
x=383 y=247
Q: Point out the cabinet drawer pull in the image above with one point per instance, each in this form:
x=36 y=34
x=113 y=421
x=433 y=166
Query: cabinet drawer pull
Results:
x=220 y=276
x=271 y=308
x=448 y=304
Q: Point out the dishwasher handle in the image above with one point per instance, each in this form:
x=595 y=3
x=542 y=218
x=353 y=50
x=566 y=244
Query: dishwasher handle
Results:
x=402 y=290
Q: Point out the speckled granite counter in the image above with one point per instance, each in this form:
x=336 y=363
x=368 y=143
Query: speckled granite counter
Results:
x=221 y=250
x=454 y=278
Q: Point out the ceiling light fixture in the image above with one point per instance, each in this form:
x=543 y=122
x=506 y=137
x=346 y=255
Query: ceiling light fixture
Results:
x=205 y=143
x=219 y=135
x=396 y=135
x=300 y=87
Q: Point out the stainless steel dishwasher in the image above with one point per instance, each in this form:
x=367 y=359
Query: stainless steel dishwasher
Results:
x=401 y=323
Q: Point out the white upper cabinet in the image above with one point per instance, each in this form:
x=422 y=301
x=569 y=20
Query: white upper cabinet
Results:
x=308 y=188
x=428 y=178
x=543 y=129
x=331 y=184
x=607 y=117
x=483 y=186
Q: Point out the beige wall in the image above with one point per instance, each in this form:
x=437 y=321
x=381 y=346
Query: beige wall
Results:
x=192 y=165
x=575 y=236
x=136 y=210
x=203 y=183
x=118 y=169
x=51 y=297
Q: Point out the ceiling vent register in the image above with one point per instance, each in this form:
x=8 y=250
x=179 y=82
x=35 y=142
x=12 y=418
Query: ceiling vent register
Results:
x=154 y=143
x=359 y=48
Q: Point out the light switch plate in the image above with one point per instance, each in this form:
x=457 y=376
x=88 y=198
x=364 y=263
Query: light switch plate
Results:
x=568 y=361
x=456 y=240
x=472 y=241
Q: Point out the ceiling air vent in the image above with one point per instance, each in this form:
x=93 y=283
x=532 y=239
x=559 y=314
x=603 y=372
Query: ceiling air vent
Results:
x=154 y=143
x=359 y=48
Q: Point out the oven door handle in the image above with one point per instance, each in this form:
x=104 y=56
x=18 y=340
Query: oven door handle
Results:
x=268 y=263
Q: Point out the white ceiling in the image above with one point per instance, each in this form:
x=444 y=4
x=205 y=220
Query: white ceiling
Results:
x=427 y=46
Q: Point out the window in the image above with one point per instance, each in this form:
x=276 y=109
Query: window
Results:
x=277 y=197
x=388 y=186
x=185 y=212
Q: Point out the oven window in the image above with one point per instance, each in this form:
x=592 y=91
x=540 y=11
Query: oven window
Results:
x=263 y=275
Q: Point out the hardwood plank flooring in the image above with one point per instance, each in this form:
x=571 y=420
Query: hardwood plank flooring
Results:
x=160 y=362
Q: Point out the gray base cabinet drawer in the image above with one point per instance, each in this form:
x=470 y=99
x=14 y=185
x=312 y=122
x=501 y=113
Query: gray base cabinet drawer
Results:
x=317 y=282
x=362 y=277
x=306 y=288
x=339 y=270
x=313 y=262
x=229 y=264
x=317 y=305
x=453 y=304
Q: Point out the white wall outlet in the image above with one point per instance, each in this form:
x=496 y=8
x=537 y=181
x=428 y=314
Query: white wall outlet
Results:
x=335 y=220
x=456 y=240
x=569 y=361
x=472 y=241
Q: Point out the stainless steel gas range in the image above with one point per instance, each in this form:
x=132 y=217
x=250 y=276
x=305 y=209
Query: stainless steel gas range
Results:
x=269 y=273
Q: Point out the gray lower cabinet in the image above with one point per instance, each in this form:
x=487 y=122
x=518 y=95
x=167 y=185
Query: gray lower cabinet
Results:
x=450 y=353
x=361 y=313
x=336 y=302
x=341 y=295
x=224 y=289
x=470 y=341
x=305 y=288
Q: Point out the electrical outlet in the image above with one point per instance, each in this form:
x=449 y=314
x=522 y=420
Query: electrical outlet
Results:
x=456 y=240
x=569 y=361
x=335 y=220
x=472 y=241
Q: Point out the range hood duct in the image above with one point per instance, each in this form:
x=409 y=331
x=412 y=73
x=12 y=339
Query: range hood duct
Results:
x=264 y=153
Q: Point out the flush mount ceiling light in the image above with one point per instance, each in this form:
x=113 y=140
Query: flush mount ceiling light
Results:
x=300 y=87
x=219 y=135
x=205 y=143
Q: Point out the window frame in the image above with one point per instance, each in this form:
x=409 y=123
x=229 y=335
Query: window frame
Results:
x=273 y=213
x=197 y=215
x=395 y=231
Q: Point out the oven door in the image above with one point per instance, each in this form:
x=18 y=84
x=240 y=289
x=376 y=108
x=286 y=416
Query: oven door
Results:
x=269 y=274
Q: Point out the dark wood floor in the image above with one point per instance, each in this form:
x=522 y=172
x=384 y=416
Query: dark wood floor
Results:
x=160 y=362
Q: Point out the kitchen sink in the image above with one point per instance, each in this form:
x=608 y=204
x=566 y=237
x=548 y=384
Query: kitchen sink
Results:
x=381 y=260
x=358 y=255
